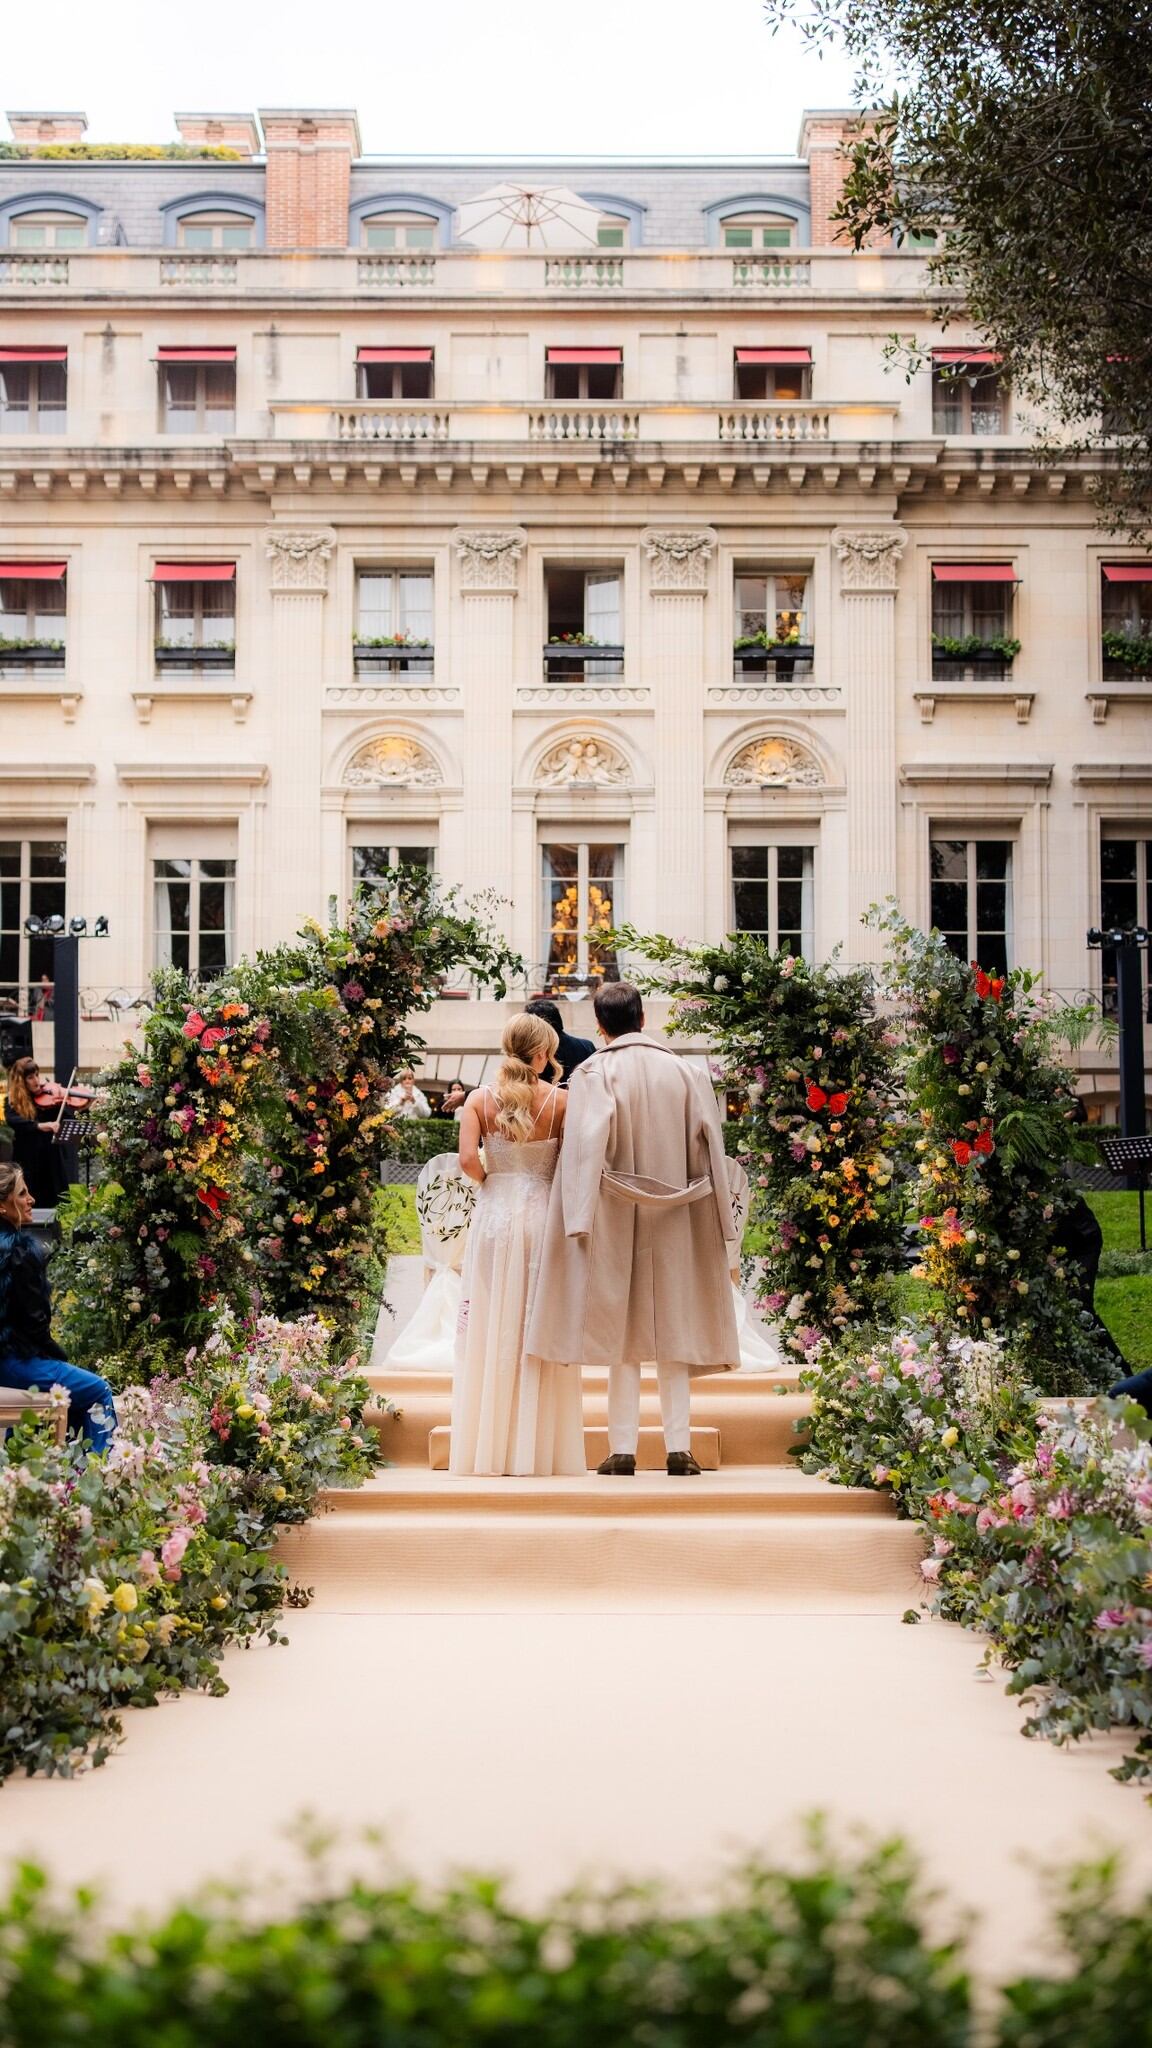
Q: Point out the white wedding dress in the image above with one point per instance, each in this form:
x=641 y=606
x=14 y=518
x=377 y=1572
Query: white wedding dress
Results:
x=510 y=1414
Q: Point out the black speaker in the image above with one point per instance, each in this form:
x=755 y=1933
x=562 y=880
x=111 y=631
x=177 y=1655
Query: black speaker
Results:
x=15 y=1039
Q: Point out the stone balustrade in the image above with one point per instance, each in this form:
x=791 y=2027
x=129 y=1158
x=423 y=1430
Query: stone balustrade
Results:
x=599 y=427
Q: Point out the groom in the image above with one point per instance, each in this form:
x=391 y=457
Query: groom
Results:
x=634 y=1266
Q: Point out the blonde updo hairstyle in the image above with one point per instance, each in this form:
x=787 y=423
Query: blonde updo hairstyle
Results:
x=516 y=1081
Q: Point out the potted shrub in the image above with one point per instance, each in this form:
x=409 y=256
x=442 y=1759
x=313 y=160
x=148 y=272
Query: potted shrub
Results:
x=210 y=654
x=755 y=650
x=1126 y=655
x=968 y=650
x=19 y=652
x=384 y=653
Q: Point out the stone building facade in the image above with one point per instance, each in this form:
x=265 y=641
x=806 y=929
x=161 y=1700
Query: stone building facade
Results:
x=627 y=578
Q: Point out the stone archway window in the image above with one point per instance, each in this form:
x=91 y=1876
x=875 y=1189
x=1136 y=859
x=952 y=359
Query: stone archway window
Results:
x=48 y=230
x=216 y=230
x=416 y=232
x=757 y=231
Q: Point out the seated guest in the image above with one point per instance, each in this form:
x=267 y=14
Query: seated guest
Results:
x=29 y=1357
x=34 y=1124
x=406 y=1100
x=571 y=1052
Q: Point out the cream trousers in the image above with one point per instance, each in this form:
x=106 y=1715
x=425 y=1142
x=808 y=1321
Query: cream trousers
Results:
x=675 y=1384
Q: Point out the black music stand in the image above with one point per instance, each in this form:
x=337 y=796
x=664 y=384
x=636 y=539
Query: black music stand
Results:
x=1131 y=1157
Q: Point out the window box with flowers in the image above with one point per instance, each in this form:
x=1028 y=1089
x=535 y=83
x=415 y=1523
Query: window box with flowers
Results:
x=1127 y=656
x=392 y=654
x=567 y=659
x=954 y=656
x=24 y=653
x=216 y=654
x=757 y=651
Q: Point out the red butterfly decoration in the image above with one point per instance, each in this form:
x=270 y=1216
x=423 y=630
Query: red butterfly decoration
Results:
x=961 y=1151
x=819 y=1098
x=988 y=984
x=983 y=1144
x=212 y=1198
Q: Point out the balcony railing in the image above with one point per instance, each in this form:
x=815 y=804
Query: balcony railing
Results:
x=982 y=664
x=33 y=270
x=607 y=426
x=783 y=662
x=392 y=661
x=391 y=273
x=769 y=273
x=197 y=270
x=596 y=663
x=576 y=273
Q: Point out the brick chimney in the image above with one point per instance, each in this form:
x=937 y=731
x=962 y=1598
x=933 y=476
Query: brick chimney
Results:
x=220 y=131
x=48 y=127
x=825 y=137
x=309 y=155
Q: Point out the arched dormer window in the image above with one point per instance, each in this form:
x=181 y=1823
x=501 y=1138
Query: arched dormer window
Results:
x=400 y=223
x=758 y=223
x=621 y=220
x=207 y=222
x=47 y=221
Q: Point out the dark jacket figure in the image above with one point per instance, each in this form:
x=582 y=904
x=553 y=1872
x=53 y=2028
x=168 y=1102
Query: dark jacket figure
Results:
x=571 y=1052
x=30 y=1358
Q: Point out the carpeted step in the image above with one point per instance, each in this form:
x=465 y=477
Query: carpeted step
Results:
x=401 y=1561
x=748 y=1490
x=754 y=1428
x=650 y=1453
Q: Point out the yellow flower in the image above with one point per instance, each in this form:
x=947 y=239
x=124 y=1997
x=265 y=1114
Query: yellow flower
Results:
x=833 y=1222
x=97 y=1596
x=125 y=1597
x=246 y=1411
x=279 y=1493
x=218 y=1601
x=949 y=1437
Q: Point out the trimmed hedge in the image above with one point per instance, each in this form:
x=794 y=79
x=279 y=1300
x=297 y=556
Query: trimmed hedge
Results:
x=421 y=1138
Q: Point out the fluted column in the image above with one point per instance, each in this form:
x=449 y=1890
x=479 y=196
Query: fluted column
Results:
x=294 y=868
x=489 y=584
x=869 y=561
x=678 y=585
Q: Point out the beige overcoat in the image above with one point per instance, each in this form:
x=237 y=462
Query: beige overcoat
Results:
x=634 y=1266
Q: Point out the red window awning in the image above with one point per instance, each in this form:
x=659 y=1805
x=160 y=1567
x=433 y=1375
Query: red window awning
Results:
x=974 y=572
x=802 y=356
x=35 y=572
x=196 y=355
x=394 y=355
x=33 y=355
x=585 y=355
x=194 y=572
x=1128 y=572
x=965 y=355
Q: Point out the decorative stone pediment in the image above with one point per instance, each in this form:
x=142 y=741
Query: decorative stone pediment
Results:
x=583 y=762
x=490 y=560
x=774 y=762
x=393 y=761
x=299 y=560
x=679 y=561
x=869 y=560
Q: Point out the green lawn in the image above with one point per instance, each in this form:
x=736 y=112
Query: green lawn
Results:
x=1125 y=1305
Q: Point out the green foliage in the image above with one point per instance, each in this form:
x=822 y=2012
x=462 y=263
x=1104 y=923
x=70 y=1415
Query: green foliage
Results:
x=26 y=646
x=1126 y=1306
x=968 y=644
x=417 y=1139
x=120 y=152
x=1130 y=650
x=805 y=1046
x=991 y=1122
x=123 y=1578
x=769 y=641
x=388 y=640
x=835 y=1950
x=1023 y=144
x=398 y=1207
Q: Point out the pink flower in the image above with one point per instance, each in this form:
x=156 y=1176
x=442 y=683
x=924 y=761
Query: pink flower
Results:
x=1144 y=1652
x=942 y=1546
x=172 y=1552
x=144 y=1077
x=147 y=1569
x=1112 y=1617
x=930 y=1569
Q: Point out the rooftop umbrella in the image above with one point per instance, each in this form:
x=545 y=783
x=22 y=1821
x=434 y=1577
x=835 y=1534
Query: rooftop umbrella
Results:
x=524 y=217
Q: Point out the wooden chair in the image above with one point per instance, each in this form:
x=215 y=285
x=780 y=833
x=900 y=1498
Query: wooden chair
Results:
x=18 y=1402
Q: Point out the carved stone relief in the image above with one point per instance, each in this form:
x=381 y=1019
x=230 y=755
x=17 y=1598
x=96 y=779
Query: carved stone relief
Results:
x=679 y=561
x=583 y=761
x=869 y=561
x=774 y=762
x=393 y=761
x=490 y=561
x=299 y=560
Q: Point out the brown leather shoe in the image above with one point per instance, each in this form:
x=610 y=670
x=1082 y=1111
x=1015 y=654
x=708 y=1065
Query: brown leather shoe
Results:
x=682 y=1465
x=618 y=1465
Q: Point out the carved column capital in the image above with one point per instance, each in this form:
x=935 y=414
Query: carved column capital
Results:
x=678 y=561
x=490 y=559
x=300 y=559
x=869 y=559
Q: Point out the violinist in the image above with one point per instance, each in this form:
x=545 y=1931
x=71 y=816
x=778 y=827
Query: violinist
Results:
x=33 y=1111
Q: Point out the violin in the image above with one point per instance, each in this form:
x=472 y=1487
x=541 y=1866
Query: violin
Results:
x=50 y=1095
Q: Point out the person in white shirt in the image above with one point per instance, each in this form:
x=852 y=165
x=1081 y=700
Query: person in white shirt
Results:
x=405 y=1100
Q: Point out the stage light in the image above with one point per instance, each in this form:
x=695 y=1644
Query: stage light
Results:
x=78 y=926
x=100 y=928
x=54 y=924
x=33 y=926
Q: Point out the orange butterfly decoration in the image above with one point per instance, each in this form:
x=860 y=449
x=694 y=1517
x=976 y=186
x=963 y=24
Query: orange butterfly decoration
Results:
x=819 y=1098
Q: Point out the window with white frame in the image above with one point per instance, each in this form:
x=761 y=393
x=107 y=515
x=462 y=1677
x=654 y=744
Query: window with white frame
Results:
x=969 y=395
x=757 y=231
x=33 y=881
x=33 y=614
x=33 y=390
x=772 y=604
x=585 y=612
x=380 y=851
x=612 y=231
x=194 y=898
x=581 y=883
x=394 y=612
x=415 y=232
x=215 y=230
x=1125 y=895
x=772 y=894
x=198 y=392
x=971 y=899
x=196 y=614
x=48 y=231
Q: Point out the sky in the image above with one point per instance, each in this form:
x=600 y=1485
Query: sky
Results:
x=687 y=77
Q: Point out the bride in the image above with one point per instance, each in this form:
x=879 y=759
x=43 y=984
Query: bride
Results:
x=509 y=1414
